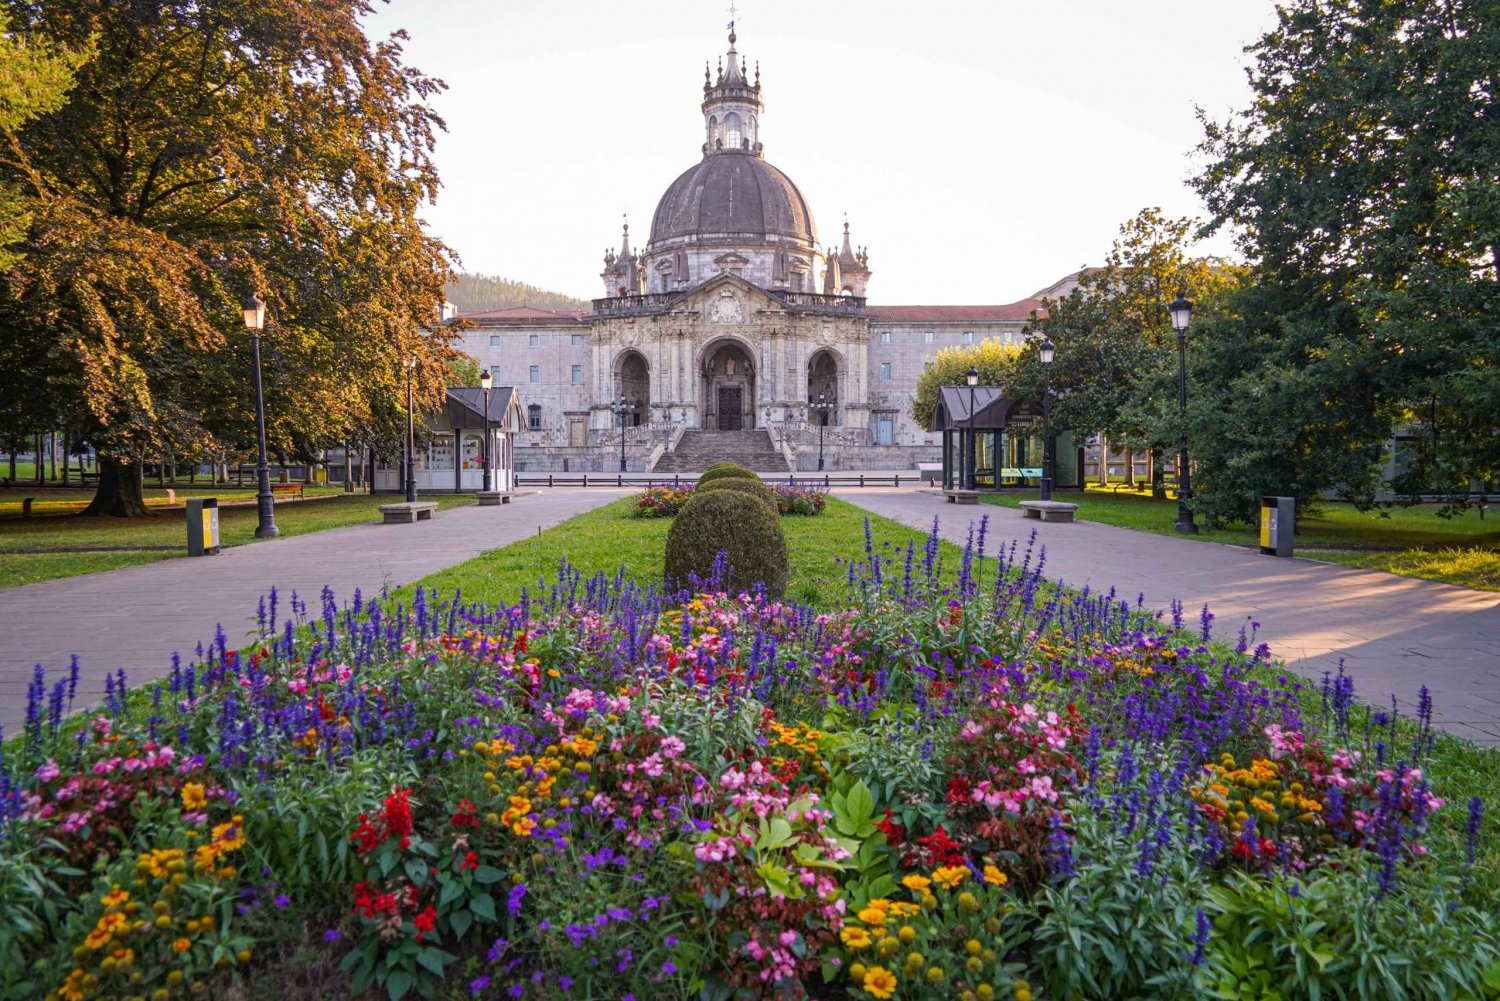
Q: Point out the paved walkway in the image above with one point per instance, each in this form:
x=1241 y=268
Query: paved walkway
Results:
x=134 y=618
x=1394 y=634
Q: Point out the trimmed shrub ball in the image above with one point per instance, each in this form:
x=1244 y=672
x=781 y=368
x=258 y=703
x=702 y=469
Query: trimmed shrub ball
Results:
x=755 y=488
x=721 y=470
x=736 y=523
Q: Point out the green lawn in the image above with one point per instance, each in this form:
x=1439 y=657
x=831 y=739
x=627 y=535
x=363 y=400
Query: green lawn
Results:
x=70 y=500
x=66 y=545
x=1414 y=542
x=609 y=538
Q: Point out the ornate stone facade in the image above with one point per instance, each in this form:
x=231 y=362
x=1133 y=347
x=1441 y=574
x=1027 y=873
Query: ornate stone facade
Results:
x=733 y=317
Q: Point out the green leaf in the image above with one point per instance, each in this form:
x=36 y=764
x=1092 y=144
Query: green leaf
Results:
x=483 y=906
x=397 y=984
x=860 y=803
x=488 y=874
x=432 y=959
x=451 y=891
x=460 y=922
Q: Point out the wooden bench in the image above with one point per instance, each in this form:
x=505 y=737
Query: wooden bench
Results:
x=492 y=498
x=1048 y=510
x=962 y=496
x=291 y=489
x=404 y=513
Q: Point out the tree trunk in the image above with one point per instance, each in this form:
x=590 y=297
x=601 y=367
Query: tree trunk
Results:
x=1129 y=467
x=1103 y=469
x=1158 y=476
x=41 y=462
x=119 y=493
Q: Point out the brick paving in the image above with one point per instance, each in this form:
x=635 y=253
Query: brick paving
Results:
x=135 y=617
x=1393 y=633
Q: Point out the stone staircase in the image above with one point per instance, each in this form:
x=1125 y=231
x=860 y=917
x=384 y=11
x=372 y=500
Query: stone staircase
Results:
x=699 y=449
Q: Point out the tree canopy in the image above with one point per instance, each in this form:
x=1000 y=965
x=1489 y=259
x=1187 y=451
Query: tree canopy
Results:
x=1363 y=180
x=209 y=149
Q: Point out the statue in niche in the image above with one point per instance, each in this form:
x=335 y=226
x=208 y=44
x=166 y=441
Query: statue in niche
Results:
x=729 y=366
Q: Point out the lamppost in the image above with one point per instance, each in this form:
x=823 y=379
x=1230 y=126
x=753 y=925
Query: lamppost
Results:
x=1047 y=352
x=1182 y=315
x=621 y=409
x=486 y=380
x=255 y=321
x=972 y=378
x=822 y=407
x=410 y=365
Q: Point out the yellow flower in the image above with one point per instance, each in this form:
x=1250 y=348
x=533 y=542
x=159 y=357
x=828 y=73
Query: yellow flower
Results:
x=949 y=876
x=230 y=837
x=994 y=876
x=880 y=982
x=915 y=882
x=193 y=796
x=181 y=945
x=872 y=915
x=114 y=898
x=855 y=938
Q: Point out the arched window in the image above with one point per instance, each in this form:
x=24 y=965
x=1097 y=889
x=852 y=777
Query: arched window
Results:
x=753 y=131
x=713 y=130
x=732 y=134
x=534 y=417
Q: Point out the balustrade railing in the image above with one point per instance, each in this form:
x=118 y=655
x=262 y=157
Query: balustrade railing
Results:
x=806 y=433
x=654 y=302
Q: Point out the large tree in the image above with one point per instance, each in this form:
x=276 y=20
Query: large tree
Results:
x=1116 y=361
x=210 y=149
x=1363 y=178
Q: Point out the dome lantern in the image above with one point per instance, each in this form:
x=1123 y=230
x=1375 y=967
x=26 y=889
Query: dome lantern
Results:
x=732 y=108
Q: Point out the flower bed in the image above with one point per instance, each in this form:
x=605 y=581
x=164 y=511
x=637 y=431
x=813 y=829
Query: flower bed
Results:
x=977 y=789
x=793 y=499
x=661 y=502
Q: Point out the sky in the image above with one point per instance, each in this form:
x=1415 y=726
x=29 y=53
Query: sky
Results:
x=981 y=150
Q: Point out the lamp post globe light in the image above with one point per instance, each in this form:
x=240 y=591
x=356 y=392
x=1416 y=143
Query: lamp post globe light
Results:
x=1048 y=352
x=255 y=321
x=822 y=407
x=972 y=378
x=1182 y=316
x=486 y=380
x=410 y=365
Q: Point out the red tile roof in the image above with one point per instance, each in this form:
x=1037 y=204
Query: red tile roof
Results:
x=1008 y=313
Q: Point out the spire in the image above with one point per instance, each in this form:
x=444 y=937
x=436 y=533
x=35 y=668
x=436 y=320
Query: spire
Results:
x=625 y=237
x=732 y=105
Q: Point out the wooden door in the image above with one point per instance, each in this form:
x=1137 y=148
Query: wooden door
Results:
x=730 y=418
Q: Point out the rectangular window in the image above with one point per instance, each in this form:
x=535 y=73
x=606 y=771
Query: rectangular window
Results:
x=494 y=340
x=927 y=337
x=885 y=370
x=885 y=337
x=495 y=372
x=534 y=341
x=535 y=373
x=576 y=340
x=968 y=337
x=577 y=374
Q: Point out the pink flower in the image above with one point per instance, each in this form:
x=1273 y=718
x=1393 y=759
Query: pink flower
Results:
x=1041 y=788
x=787 y=938
x=48 y=771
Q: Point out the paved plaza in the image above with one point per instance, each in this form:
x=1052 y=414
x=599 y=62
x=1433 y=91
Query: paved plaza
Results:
x=134 y=618
x=1394 y=634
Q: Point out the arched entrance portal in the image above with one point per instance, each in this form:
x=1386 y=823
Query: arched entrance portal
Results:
x=823 y=381
x=729 y=388
x=634 y=380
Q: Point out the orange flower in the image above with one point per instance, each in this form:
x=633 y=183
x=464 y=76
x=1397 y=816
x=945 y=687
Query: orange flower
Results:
x=879 y=982
x=994 y=876
x=915 y=882
x=181 y=945
x=949 y=876
x=193 y=796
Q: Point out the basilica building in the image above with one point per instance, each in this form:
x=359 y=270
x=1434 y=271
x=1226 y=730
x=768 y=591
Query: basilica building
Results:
x=734 y=332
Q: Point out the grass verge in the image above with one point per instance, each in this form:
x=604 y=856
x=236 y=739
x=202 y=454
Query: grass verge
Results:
x=1412 y=542
x=47 y=548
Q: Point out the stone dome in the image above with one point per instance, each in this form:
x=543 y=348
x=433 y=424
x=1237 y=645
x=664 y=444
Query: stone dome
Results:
x=733 y=194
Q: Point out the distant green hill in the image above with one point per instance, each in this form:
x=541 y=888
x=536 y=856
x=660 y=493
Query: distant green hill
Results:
x=473 y=293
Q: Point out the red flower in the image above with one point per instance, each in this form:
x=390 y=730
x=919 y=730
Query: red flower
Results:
x=895 y=834
x=958 y=789
x=944 y=848
x=425 y=921
x=1241 y=850
x=470 y=862
x=398 y=815
x=366 y=837
x=465 y=815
